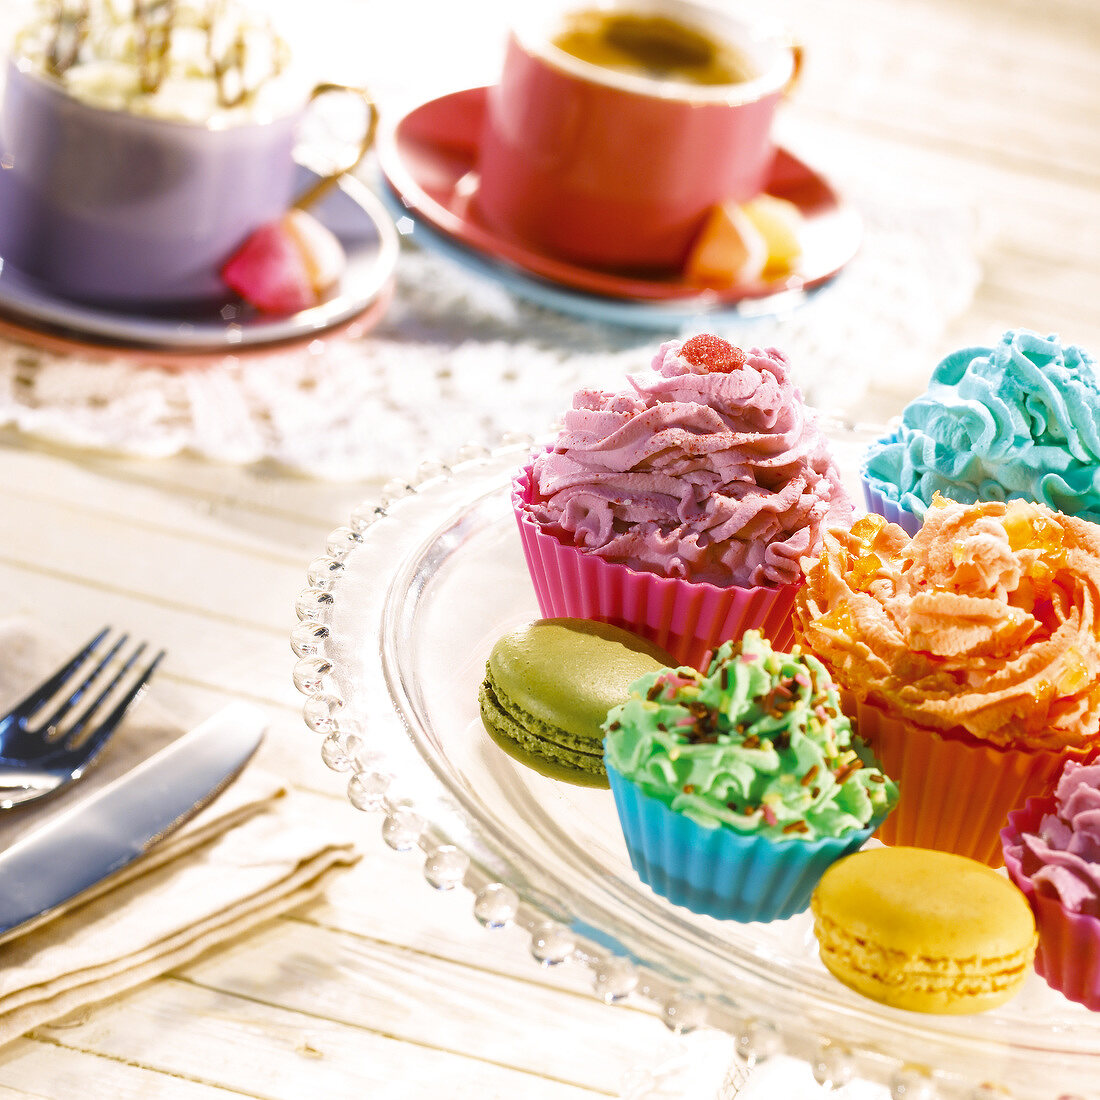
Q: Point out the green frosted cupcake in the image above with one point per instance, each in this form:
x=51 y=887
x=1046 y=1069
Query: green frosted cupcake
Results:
x=737 y=787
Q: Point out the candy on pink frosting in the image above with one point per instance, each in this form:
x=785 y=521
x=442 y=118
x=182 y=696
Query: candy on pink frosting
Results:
x=1063 y=860
x=719 y=476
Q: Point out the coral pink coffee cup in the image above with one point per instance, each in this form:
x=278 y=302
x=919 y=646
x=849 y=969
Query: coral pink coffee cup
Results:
x=619 y=170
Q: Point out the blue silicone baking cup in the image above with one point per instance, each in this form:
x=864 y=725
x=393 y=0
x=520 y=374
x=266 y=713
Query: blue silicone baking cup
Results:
x=720 y=872
x=882 y=505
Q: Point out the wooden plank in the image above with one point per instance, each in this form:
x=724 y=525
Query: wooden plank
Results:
x=254 y=662
x=994 y=310
x=989 y=107
x=474 y=1012
x=1051 y=221
x=271 y=1053
x=1043 y=295
x=974 y=80
x=157 y=505
x=208 y=664
x=164 y=563
x=48 y=1070
x=253 y=498
x=385 y=898
x=413 y=917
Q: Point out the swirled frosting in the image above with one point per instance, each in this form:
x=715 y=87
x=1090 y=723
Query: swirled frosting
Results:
x=985 y=622
x=218 y=62
x=1063 y=859
x=1020 y=420
x=709 y=468
x=758 y=743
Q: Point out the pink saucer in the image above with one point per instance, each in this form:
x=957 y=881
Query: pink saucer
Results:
x=429 y=159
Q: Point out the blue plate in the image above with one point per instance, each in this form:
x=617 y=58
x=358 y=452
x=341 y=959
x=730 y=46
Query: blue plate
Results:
x=672 y=316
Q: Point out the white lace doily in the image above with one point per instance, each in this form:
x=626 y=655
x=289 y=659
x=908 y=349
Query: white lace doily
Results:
x=457 y=359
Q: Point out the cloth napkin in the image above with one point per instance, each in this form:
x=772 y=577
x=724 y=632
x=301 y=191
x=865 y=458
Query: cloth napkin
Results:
x=247 y=857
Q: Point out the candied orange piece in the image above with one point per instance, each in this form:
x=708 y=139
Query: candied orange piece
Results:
x=1049 y=533
x=864 y=571
x=1040 y=573
x=1029 y=529
x=1018 y=528
x=867 y=527
x=1075 y=672
x=729 y=249
x=1044 y=694
x=838 y=619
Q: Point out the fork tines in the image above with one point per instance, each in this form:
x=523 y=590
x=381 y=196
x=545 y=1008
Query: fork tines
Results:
x=107 y=681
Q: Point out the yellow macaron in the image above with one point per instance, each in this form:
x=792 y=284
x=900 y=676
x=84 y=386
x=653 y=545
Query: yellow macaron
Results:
x=923 y=930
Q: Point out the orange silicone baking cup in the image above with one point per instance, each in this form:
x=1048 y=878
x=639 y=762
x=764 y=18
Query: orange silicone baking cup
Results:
x=686 y=618
x=955 y=793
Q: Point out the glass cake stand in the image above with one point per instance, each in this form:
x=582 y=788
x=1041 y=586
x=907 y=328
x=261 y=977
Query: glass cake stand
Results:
x=396 y=625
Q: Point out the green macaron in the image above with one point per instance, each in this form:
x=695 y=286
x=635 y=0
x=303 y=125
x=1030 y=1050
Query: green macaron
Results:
x=549 y=685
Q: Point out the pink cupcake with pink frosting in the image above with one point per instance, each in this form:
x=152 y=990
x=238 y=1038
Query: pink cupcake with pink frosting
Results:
x=681 y=507
x=1052 y=853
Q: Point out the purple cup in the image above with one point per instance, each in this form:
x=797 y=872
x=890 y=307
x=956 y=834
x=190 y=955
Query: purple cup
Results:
x=891 y=510
x=113 y=208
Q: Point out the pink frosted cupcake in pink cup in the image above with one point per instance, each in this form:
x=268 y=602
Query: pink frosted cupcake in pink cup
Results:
x=681 y=507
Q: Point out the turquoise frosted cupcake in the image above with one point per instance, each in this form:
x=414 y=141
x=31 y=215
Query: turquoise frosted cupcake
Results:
x=1020 y=420
x=737 y=787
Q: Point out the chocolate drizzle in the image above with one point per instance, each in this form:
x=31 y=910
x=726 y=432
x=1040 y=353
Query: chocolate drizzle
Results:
x=154 y=22
x=704 y=727
x=70 y=29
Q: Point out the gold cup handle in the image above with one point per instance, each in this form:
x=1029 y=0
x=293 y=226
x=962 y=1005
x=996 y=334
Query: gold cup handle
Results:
x=322 y=186
x=798 y=57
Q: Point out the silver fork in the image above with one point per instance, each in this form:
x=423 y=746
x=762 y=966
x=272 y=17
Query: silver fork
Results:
x=49 y=739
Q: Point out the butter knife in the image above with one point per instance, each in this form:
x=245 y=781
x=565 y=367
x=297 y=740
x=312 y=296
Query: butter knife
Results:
x=86 y=845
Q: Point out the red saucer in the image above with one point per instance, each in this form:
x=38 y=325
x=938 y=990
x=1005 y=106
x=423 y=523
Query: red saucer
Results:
x=430 y=160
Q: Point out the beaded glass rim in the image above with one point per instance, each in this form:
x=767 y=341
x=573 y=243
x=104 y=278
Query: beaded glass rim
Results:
x=381 y=770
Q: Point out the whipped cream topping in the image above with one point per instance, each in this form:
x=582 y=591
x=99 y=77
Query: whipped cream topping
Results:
x=1063 y=859
x=757 y=743
x=710 y=468
x=198 y=61
x=1019 y=420
x=986 y=623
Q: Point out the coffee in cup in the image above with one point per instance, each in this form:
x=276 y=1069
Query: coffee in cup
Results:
x=655 y=46
x=615 y=130
x=141 y=144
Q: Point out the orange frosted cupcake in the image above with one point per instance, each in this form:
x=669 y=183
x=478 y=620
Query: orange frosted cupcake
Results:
x=971 y=654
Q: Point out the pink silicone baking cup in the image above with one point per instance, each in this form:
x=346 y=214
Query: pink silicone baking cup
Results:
x=1068 y=956
x=955 y=793
x=686 y=618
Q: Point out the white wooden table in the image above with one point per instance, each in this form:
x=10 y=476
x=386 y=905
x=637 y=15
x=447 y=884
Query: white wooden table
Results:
x=386 y=988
